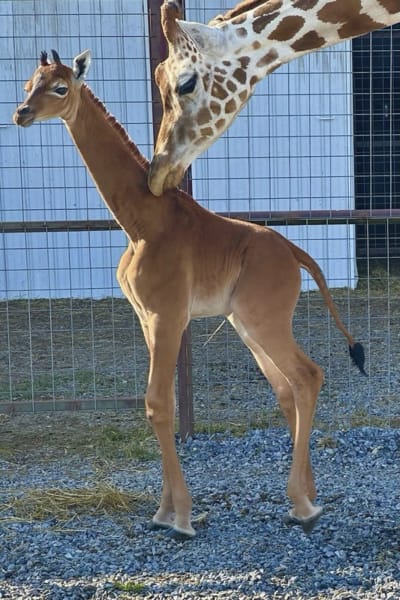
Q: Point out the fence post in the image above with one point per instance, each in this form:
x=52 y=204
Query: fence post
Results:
x=158 y=52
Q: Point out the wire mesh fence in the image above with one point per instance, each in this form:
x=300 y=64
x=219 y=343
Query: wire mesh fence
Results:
x=69 y=340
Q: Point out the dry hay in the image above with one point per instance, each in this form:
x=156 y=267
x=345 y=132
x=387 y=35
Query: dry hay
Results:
x=65 y=504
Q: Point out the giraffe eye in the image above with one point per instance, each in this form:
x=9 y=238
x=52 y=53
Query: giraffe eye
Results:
x=187 y=86
x=61 y=90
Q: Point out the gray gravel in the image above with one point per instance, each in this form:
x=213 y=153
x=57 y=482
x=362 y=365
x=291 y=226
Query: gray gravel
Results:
x=242 y=549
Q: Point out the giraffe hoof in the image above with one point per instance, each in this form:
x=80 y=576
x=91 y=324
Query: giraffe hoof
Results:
x=307 y=524
x=179 y=535
x=159 y=525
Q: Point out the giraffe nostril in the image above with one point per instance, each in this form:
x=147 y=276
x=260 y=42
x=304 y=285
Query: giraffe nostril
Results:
x=24 y=110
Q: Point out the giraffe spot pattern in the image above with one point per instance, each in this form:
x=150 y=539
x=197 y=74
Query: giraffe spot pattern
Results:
x=241 y=32
x=230 y=106
x=392 y=6
x=305 y=4
x=272 y=5
x=267 y=58
x=204 y=116
x=348 y=13
x=218 y=91
x=243 y=96
x=256 y=45
x=239 y=20
x=206 y=131
x=244 y=62
x=240 y=75
x=260 y=23
x=220 y=123
x=232 y=87
x=215 y=107
x=309 y=41
x=287 y=28
x=206 y=81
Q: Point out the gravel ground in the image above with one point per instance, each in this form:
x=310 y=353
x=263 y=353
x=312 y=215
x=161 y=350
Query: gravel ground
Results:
x=242 y=548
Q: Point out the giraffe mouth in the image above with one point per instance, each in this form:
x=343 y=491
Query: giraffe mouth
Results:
x=162 y=176
x=23 y=117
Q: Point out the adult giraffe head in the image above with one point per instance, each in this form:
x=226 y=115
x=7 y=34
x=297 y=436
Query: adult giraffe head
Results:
x=196 y=83
x=211 y=70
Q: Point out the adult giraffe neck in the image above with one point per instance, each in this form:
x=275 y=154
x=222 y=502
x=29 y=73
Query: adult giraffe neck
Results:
x=276 y=32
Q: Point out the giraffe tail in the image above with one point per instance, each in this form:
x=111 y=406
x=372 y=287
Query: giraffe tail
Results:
x=356 y=349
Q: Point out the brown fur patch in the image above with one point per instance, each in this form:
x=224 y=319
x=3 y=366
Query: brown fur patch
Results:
x=241 y=32
x=227 y=63
x=362 y=25
x=309 y=41
x=240 y=75
x=232 y=87
x=244 y=7
x=349 y=13
x=191 y=134
x=206 y=131
x=194 y=58
x=220 y=123
x=230 y=106
x=218 y=91
x=243 y=96
x=204 y=116
x=339 y=12
x=304 y=4
x=215 y=107
x=268 y=7
x=244 y=62
x=206 y=81
x=267 y=58
x=219 y=78
x=254 y=79
x=287 y=28
x=239 y=20
x=392 y=6
x=261 y=22
x=256 y=45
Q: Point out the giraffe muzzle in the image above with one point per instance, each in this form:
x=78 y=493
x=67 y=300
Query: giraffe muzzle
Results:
x=162 y=176
x=23 y=116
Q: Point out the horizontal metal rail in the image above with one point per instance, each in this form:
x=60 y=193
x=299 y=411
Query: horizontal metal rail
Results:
x=302 y=217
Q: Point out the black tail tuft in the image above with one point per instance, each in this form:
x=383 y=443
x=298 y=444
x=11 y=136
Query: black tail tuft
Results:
x=358 y=356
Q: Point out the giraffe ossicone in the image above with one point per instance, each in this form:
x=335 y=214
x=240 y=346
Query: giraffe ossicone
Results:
x=225 y=59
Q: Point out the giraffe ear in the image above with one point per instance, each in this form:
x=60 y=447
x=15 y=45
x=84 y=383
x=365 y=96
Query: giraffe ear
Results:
x=81 y=64
x=207 y=39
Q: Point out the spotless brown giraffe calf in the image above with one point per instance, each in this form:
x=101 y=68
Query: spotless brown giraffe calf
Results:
x=212 y=70
x=183 y=261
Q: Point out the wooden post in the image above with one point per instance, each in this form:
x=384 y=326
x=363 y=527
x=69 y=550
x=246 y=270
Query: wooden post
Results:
x=158 y=52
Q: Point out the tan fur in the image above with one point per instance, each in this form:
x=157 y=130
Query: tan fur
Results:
x=260 y=35
x=183 y=261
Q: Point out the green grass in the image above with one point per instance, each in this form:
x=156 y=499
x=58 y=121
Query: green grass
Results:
x=130 y=587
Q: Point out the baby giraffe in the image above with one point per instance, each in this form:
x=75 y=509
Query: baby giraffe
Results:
x=183 y=261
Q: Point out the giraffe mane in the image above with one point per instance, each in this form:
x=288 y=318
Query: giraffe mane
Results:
x=239 y=9
x=116 y=125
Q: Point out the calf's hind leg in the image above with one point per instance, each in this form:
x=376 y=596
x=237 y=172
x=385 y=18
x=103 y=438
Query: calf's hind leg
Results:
x=297 y=382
